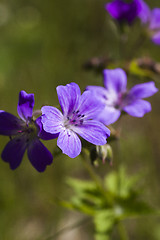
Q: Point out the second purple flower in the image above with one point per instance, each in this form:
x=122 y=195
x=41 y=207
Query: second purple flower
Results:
x=116 y=98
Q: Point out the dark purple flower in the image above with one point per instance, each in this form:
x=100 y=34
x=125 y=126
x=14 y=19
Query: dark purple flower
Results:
x=151 y=19
x=116 y=98
x=123 y=11
x=24 y=134
x=78 y=117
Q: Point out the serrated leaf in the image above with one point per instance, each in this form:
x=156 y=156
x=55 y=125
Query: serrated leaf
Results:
x=86 y=190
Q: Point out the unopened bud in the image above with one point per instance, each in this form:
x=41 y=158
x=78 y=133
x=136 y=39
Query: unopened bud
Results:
x=105 y=153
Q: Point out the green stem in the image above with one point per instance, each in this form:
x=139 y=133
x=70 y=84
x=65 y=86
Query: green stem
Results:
x=91 y=172
x=96 y=178
x=122 y=231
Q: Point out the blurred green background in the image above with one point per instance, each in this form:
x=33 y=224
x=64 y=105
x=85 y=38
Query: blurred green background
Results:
x=44 y=44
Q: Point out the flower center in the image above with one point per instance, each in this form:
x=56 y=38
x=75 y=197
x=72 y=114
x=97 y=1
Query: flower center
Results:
x=30 y=131
x=74 y=119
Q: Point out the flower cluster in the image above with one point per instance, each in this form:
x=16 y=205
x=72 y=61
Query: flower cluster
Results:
x=124 y=11
x=83 y=115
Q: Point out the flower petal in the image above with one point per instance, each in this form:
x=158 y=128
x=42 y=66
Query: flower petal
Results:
x=43 y=134
x=51 y=119
x=39 y=155
x=14 y=151
x=155 y=19
x=109 y=115
x=68 y=97
x=9 y=124
x=101 y=91
x=143 y=90
x=156 y=38
x=115 y=80
x=93 y=131
x=25 y=105
x=89 y=104
x=69 y=143
x=138 y=108
x=145 y=12
x=121 y=10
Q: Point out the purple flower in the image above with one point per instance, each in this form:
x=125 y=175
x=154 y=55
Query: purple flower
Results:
x=116 y=98
x=78 y=117
x=24 y=134
x=123 y=11
x=151 y=19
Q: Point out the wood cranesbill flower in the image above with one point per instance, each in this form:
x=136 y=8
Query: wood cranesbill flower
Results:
x=77 y=117
x=24 y=134
x=116 y=98
x=151 y=20
x=124 y=11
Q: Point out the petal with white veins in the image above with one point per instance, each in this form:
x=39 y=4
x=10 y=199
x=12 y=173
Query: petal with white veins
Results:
x=93 y=131
x=69 y=143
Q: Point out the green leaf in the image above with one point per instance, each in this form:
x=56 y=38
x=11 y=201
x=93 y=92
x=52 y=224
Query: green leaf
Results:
x=136 y=70
x=101 y=236
x=104 y=221
x=120 y=185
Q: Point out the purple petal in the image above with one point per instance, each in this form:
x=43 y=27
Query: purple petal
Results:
x=51 y=119
x=69 y=143
x=14 y=151
x=89 y=104
x=25 y=105
x=115 y=80
x=39 y=155
x=155 y=19
x=68 y=97
x=101 y=91
x=138 y=108
x=143 y=90
x=144 y=13
x=121 y=10
x=9 y=124
x=156 y=38
x=93 y=131
x=43 y=134
x=109 y=115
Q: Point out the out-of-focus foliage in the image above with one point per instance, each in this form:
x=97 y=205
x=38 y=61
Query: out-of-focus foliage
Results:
x=116 y=199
